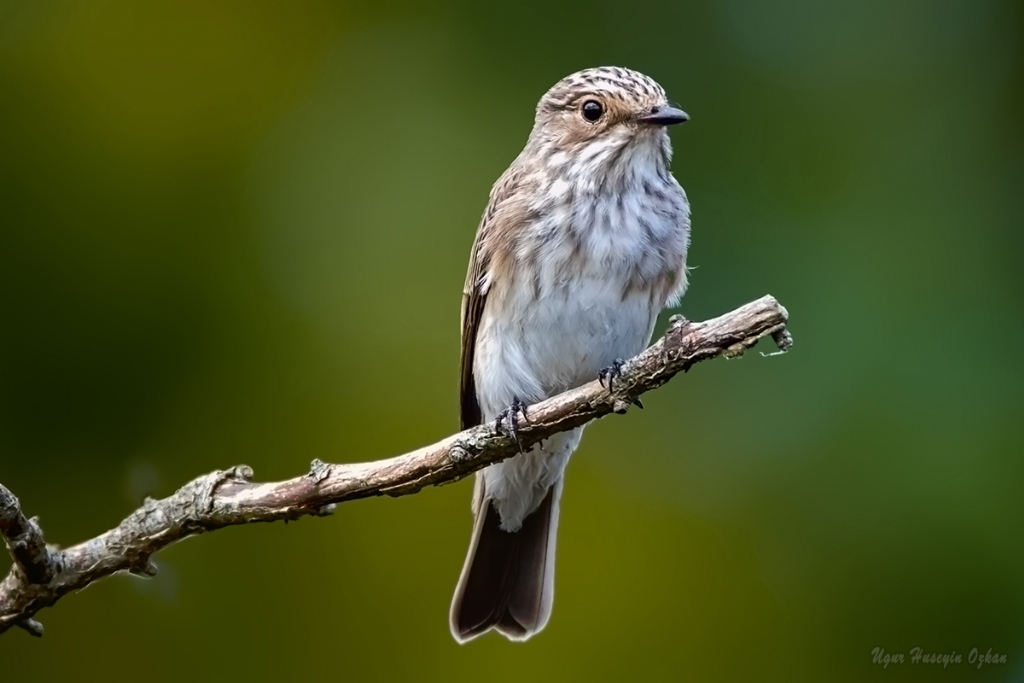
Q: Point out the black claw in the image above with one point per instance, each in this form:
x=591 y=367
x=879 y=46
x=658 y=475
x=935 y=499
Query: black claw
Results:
x=638 y=403
x=506 y=421
x=520 y=407
x=610 y=374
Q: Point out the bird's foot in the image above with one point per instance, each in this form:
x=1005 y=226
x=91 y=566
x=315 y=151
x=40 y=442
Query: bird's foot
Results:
x=607 y=376
x=506 y=421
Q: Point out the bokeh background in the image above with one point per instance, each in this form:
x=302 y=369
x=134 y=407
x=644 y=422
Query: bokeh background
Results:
x=237 y=232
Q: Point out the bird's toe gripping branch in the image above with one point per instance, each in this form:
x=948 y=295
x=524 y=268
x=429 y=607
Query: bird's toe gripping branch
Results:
x=506 y=422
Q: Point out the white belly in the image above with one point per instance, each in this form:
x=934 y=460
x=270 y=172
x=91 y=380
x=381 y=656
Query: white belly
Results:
x=540 y=347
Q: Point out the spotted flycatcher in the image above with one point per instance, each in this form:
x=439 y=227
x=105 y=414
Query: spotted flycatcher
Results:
x=582 y=244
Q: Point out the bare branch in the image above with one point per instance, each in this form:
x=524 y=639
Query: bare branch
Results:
x=42 y=575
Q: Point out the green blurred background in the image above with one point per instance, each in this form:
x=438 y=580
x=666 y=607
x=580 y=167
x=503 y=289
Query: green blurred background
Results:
x=237 y=232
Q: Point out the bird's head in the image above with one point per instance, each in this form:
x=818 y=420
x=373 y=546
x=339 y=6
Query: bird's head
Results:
x=603 y=118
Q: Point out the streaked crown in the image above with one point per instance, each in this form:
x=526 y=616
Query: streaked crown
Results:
x=630 y=88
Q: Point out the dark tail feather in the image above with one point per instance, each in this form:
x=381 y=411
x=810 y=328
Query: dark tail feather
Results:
x=507 y=582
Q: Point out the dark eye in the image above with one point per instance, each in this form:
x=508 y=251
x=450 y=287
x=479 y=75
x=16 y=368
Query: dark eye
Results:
x=592 y=110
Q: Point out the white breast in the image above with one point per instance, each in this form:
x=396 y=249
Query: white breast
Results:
x=568 y=312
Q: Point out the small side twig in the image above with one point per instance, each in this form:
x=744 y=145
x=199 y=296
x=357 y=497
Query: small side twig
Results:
x=24 y=539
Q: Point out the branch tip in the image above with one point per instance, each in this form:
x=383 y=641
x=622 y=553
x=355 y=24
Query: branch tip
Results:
x=241 y=473
x=33 y=627
x=783 y=339
x=319 y=470
x=144 y=567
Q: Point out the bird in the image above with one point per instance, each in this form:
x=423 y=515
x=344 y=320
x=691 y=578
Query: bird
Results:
x=582 y=244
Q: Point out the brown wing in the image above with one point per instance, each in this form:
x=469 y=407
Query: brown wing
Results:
x=489 y=240
x=473 y=299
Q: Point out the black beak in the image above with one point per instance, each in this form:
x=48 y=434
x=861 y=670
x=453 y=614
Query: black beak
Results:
x=664 y=115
